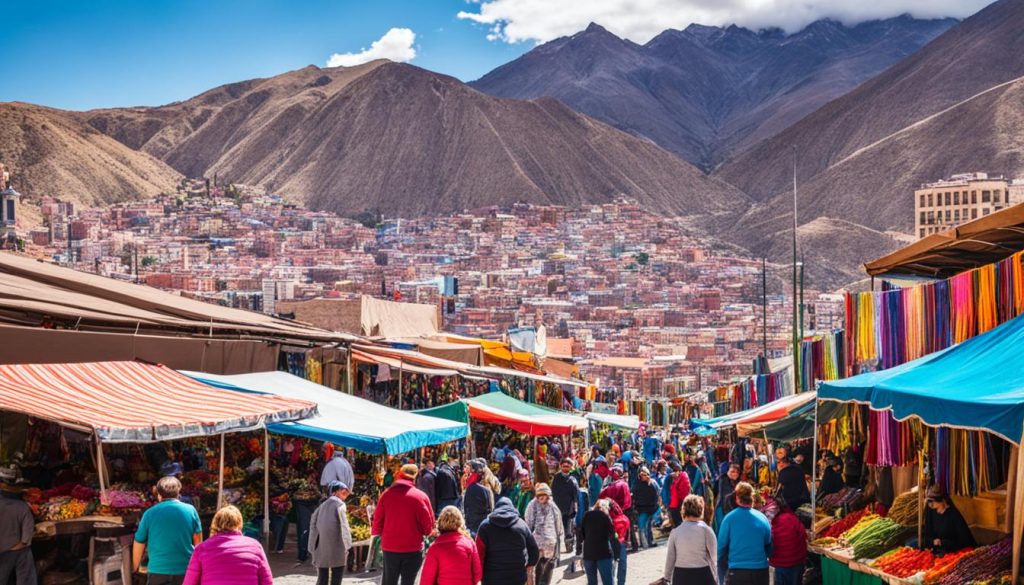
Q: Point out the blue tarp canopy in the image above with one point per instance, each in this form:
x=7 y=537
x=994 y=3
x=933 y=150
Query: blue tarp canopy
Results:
x=344 y=420
x=978 y=384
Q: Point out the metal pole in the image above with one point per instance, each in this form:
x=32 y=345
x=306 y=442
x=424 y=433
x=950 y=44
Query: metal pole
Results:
x=802 y=267
x=348 y=369
x=764 y=307
x=796 y=339
x=266 y=487
x=814 y=467
x=401 y=371
x=220 y=475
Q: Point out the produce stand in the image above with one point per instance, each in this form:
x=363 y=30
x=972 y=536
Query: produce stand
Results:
x=72 y=416
x=966 y=399
x=374 y=434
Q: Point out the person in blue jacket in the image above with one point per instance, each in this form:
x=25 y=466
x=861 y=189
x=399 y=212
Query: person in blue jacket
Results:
x=744 y=542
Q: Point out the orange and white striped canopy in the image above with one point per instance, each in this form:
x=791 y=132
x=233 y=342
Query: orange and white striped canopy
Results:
x=137 y=402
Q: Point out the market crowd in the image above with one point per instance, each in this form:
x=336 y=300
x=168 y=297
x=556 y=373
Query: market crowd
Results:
x=508 y=519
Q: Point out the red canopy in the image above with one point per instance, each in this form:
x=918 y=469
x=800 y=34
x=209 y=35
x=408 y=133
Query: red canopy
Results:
x=137 y=402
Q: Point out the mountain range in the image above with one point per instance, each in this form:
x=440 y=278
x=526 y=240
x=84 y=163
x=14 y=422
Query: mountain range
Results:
x=398 y=139
x=868 y=111
x=704 y=92
x=955 y=106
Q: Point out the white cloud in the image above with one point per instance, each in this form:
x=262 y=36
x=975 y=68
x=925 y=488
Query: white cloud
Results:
x=515 y=21
x=396 y=45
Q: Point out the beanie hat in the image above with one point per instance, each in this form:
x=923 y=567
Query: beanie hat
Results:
x=542 y=489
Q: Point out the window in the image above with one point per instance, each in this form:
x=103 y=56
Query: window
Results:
x=974 y=214
x=986 y=196
x=921 y=220
x=956 y=215
x=930 y=200
x=956 y=198
x=10 y=212
x=995 y=196
x=986 y=211
x=921 y=204
x=949 y=198
x=921 y=233
x=974 y=196
x=949 y=216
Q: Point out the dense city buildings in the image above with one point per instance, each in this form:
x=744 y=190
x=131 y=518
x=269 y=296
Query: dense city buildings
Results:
x=624 y=293
x=948 y=203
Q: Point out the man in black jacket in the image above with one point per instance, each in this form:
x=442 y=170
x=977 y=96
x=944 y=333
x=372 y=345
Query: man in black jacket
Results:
x=479 y=499
x=565 y=492
x=792 y=484
x=506 y=546
x=646 y=501
x=447 y=487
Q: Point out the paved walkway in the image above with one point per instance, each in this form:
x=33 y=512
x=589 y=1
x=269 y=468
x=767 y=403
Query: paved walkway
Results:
x=644 y=567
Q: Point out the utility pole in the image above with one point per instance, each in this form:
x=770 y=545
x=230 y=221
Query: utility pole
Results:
x=764 y=307
x=796 y=316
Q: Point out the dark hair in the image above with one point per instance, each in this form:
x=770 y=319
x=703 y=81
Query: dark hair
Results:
x=782 y=503
x=735 y=466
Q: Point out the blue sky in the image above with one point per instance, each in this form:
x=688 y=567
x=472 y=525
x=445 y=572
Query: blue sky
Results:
x=103 y=53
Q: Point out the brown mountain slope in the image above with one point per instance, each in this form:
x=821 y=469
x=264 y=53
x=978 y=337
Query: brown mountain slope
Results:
x=983 y=51
x=402 y=140
x=955 y=106
x=52 y=152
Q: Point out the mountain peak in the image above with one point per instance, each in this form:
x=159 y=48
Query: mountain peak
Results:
x=593 y=27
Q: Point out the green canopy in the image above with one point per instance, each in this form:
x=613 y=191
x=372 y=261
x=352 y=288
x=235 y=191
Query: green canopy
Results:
x=497 y=408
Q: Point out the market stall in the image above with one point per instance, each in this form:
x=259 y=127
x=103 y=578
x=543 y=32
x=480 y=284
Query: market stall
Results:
x=74 y=415
x=966 y=399
x=344 y=420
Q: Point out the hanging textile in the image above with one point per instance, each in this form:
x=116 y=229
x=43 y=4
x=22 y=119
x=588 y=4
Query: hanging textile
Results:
x=896 y=325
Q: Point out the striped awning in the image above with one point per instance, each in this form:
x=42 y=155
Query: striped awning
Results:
x=133 y=402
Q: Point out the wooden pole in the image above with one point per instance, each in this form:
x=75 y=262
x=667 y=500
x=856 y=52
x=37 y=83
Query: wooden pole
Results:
x=814 y=469
x=921 y=488
x=1018 y=513
x=220 y=475
x=101 y=469
x=266 y=487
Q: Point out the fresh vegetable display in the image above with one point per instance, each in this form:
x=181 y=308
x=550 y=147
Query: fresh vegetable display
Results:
x=862 y=524
x=836 y=530
x=980 y=564
x=943 y=565
x=904 y=509
x=844 y=497
x=878 y=536
x=905 y=561
x=825 y=541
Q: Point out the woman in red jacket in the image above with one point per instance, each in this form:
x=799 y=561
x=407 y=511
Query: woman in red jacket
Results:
x=789 y=546
x=453 y=558
x=621 y=523
x=680 y=489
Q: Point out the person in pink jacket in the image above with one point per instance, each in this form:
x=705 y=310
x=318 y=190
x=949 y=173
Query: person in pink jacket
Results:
x=453 y=558
x=227 y=557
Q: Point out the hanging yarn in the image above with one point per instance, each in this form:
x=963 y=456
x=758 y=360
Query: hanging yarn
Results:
x=896 y=325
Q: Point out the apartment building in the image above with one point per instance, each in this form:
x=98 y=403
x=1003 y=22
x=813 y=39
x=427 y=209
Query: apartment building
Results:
x=948 y=203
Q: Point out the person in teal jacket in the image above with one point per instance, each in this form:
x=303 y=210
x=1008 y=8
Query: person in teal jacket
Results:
x=744 y=541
